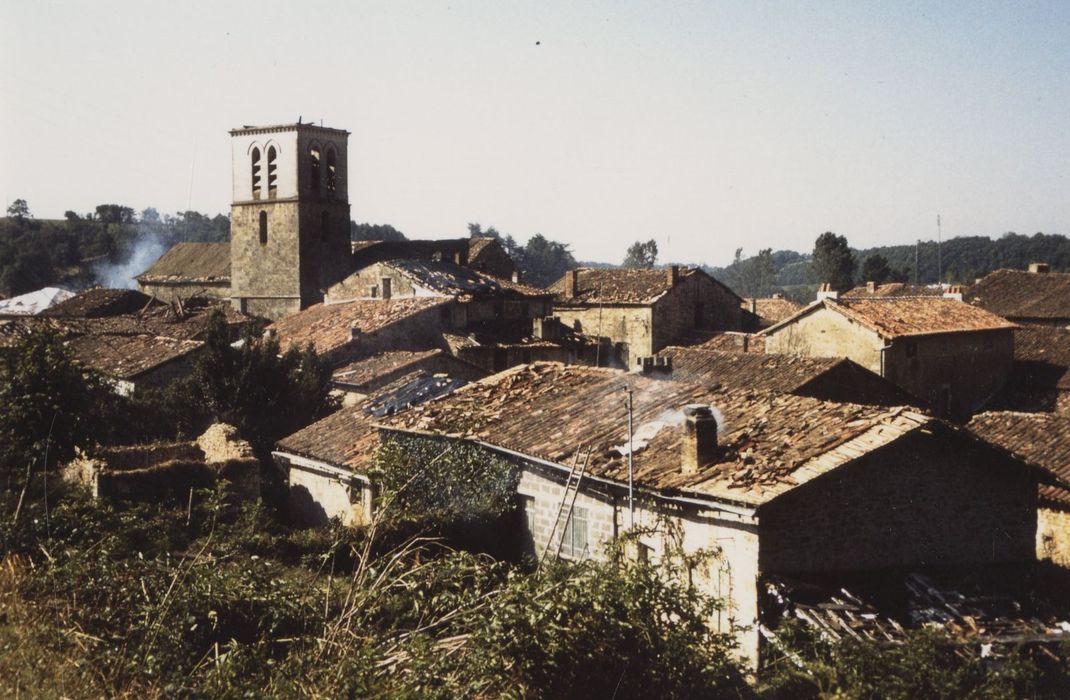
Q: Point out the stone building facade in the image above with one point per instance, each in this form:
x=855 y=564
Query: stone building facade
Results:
x=950 y=355
x=289 y=217
x=643 y=311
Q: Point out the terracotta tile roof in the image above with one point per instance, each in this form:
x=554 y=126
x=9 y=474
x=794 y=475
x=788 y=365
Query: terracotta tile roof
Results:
x=613 y=285
x=770 y=442
x=127 y=356
x=1042 y=439
x=347 y=437
x=772 y=310
x=191 y=262
x=100 y=301
x=367 y=252
x=1016 y=294
x=162 y=320
x=462 y=282
x=729 y=341
x=366 y=369
x=896 y=317
x=894 y=289
x=327 y=326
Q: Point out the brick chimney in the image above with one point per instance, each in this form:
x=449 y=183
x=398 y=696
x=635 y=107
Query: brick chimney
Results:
x=1039 y=268
x=827 y=292
x=572 y=283
x=654 y=366
x=699 y=445
x=954 y=292
x=673 y=274
x=354 y=331
x=871 y=287
x=754 y=306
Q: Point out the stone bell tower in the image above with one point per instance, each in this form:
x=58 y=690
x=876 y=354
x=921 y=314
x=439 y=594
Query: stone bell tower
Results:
x=289 y=217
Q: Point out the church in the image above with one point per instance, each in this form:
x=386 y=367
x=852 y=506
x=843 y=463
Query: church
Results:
x=290 y=230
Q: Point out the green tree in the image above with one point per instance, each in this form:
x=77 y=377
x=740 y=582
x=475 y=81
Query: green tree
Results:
x=49 y=406
x=833 y=262
x=19 y=210
x=875 y=269
x=374 y=232
x=642 y=255
x=544 y=261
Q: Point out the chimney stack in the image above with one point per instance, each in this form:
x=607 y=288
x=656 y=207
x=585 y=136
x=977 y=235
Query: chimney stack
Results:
x=954 y=292
x=754 y=306
x=572 y=283
x=827 y=292
x=1039 y=268
x=461 y=257
x=871 y=287
x=516 y=277
x=674 y=275
x=354 y=331
x=699 y=446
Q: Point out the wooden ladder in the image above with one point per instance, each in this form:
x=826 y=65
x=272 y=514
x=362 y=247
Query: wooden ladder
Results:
x=568 y=501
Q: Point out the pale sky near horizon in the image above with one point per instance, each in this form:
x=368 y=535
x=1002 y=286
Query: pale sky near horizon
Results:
x=705 y=125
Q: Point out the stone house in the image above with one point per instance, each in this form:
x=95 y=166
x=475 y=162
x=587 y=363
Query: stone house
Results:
x=872 y=290
x=136 y=361
x=951 y=355
x=827 y=378
x=366 y=375
x=1035 y=297
x=483 y=254
x=642 y=311
x=328 y=463
x=763 y=312
x=189 y=270
x=1043 y=440
x=771 y=483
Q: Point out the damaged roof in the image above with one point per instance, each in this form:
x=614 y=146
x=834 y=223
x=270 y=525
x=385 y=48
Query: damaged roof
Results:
x=893 y=289
x=770 y=443
x=613 y=285
x=772 y=310
x=1041 y=439
x=99 y=302
x=128 y=356
x=897 y=317
x=462 y=282
x=368 y=252
x=1018 y=294
x=366 y=372
x=328 y=326
x=347 y=438
x=191 y=262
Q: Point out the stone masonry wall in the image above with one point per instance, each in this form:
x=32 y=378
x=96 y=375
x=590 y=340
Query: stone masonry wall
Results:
x=696 y=302
x=1053 y=535
x=825 y=333
x=925 y=500
x=630 y=325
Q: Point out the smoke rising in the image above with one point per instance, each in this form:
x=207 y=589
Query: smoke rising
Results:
x=143 y=251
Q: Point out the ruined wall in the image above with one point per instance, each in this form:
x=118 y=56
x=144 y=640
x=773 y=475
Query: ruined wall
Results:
x=631 y=325
x=170 y=291
x=825 y=333
x=696 y=302
x=953 y=372
x=493 y=260
x=318 y=495
x=1053 y=534
x=924 y=500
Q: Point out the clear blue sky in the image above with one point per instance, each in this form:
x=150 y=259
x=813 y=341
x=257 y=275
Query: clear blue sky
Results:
x=707 y=126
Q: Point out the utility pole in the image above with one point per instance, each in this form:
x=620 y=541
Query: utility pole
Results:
x=939 y=260
x=917 y=246
x=631 y=471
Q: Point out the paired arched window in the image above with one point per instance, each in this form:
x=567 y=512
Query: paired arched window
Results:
x=332 y=171
x=314 y=167
x=256 y=172
x=273 y=172
x=263 y=228
x=324 y=226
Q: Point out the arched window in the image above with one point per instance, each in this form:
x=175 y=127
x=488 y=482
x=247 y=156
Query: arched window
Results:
x=332 y=172
x=324 y=226
x=273 y=172
x=263 y=228
x=256 y=173
x=314 y=167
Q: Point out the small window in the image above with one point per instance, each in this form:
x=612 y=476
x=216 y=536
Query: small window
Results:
x=272 y=173
x=324 y=226
x=256 y=173
x=574 y=542
x=332 y=171
x=263 y=228
x=314 y=167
